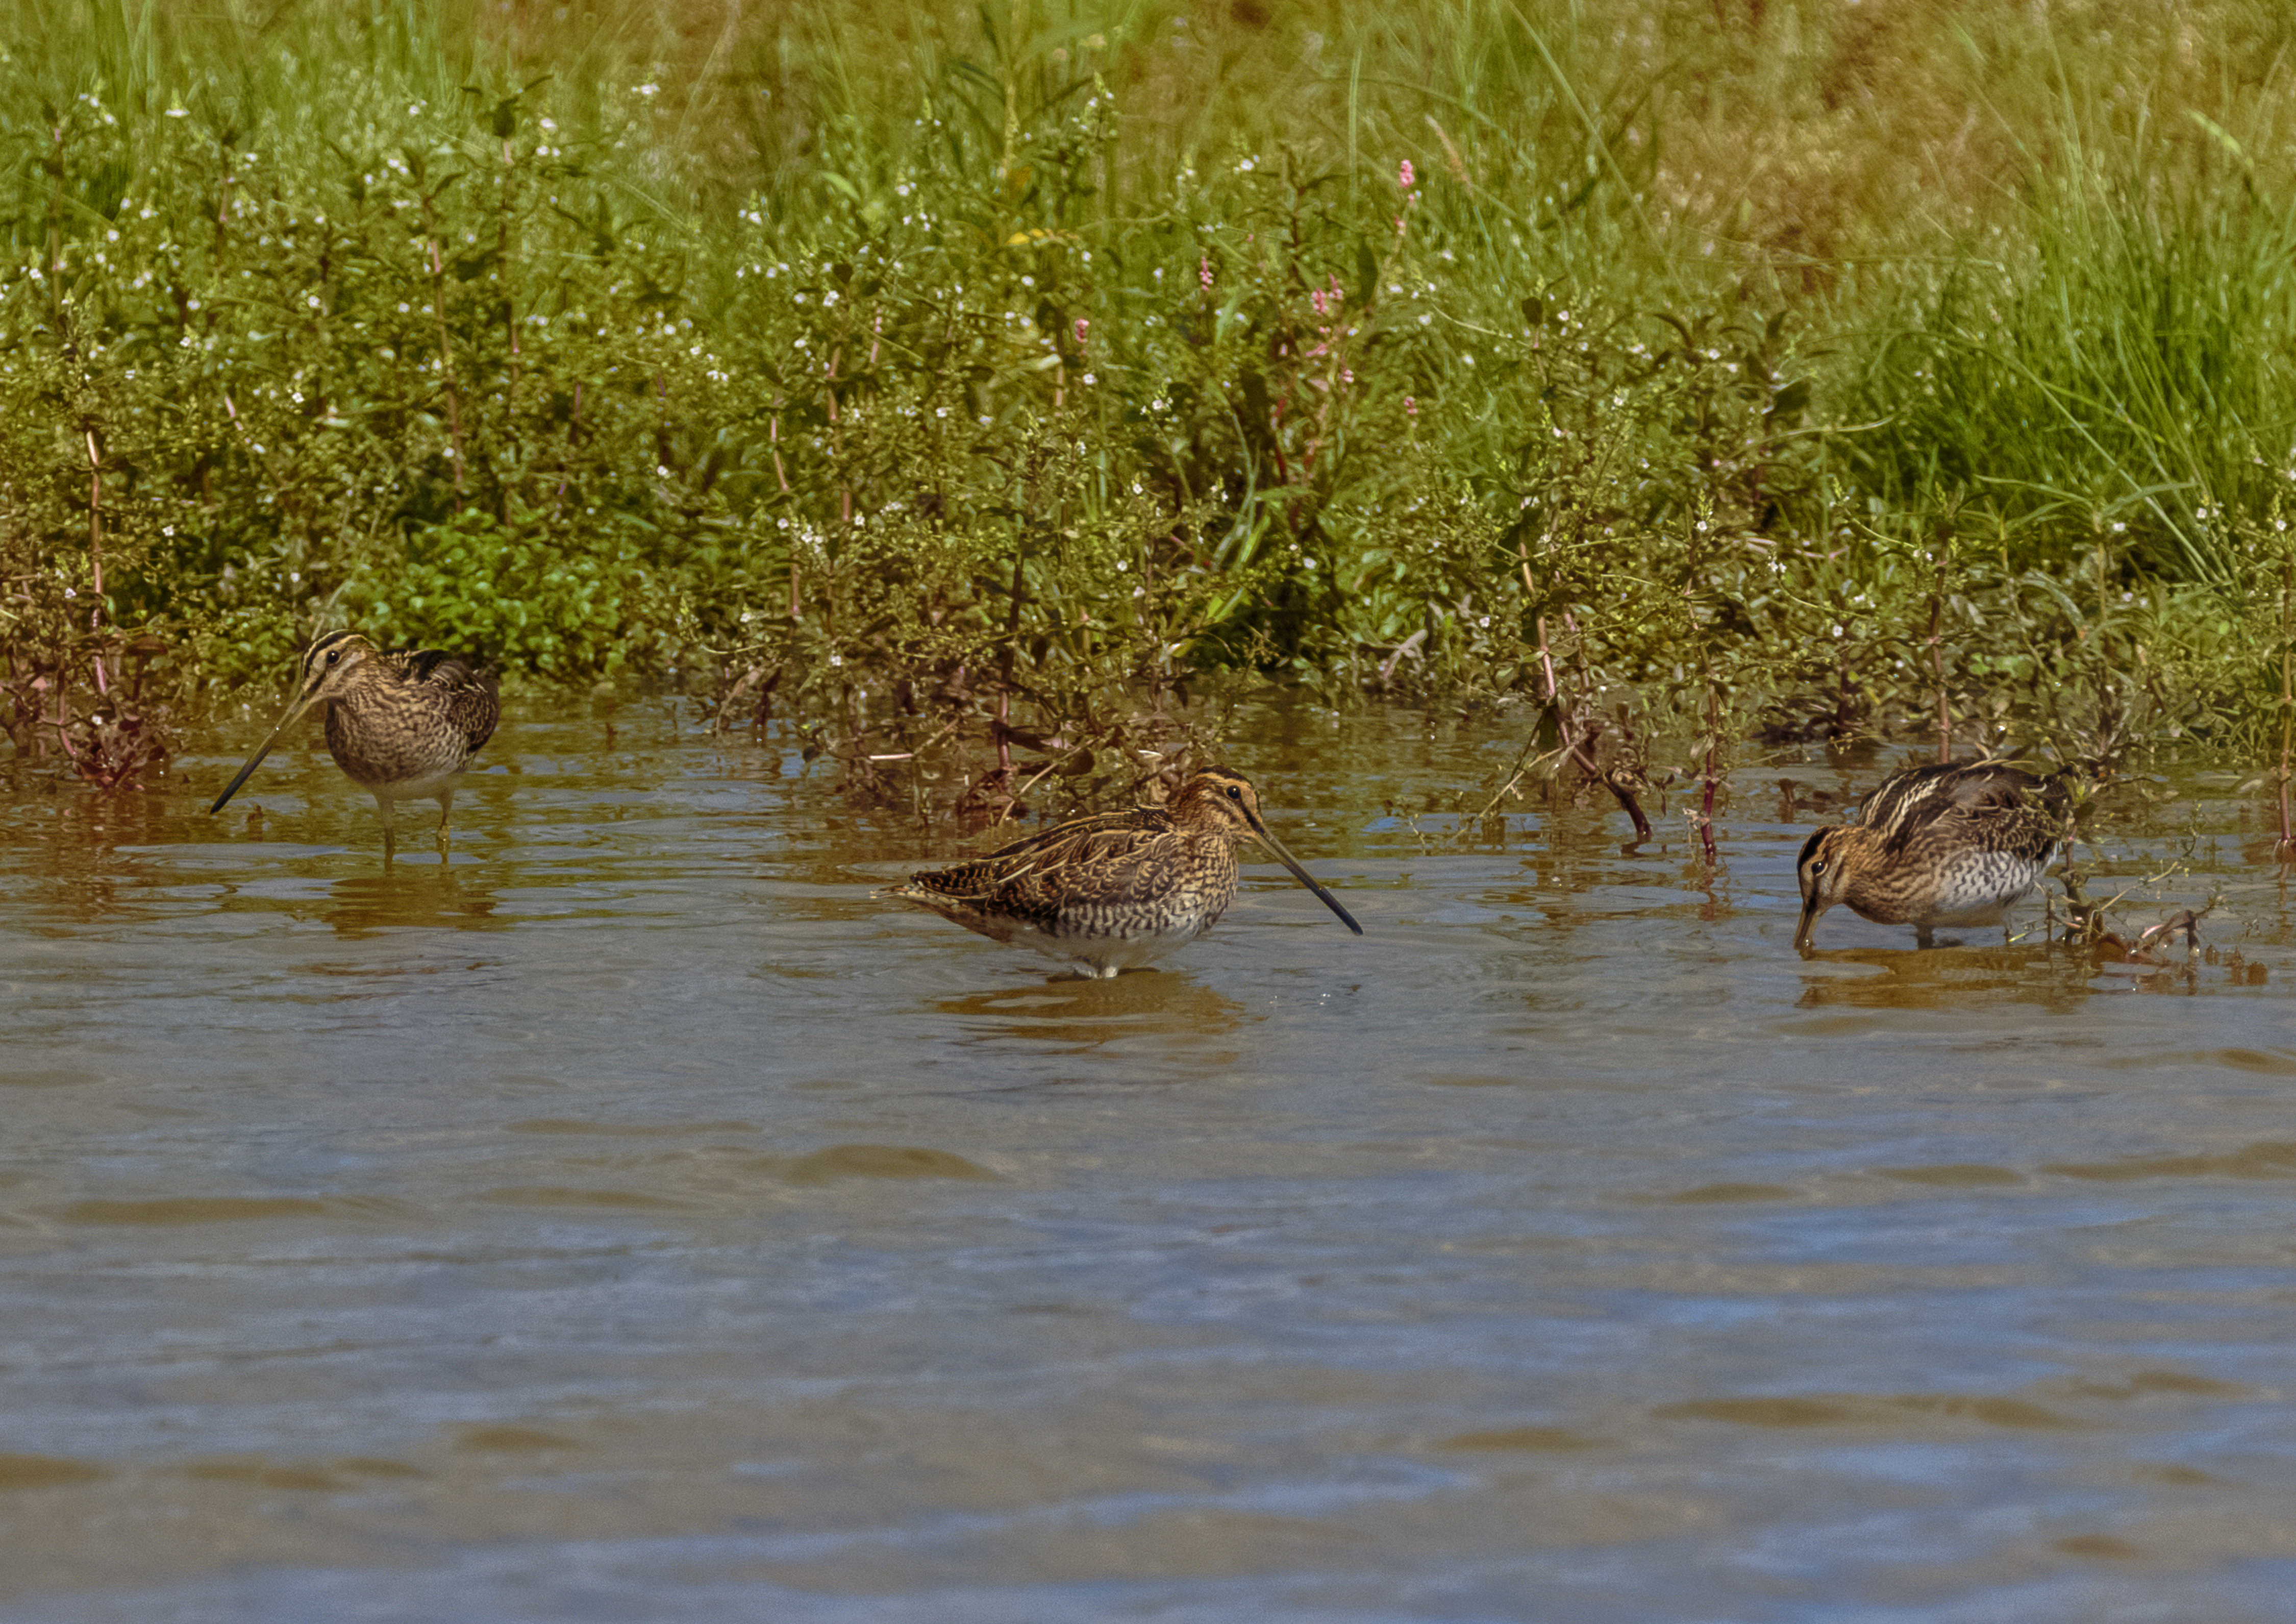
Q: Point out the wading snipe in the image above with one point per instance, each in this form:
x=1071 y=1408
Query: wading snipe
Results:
x=1111 y=891
x=1935 y=845
x=400 y=722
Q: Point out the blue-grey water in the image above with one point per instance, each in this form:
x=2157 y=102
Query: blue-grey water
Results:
x=633 y=1219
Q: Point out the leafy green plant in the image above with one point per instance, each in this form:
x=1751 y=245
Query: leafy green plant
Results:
x=960 y=389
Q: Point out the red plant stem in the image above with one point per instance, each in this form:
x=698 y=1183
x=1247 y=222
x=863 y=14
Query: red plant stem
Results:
x=2287 y=846
x=1706 y=805
x=446 y=343
x=510 y=319
x=1937 y=664
x=56 y=238
x=95 y=559
x=781 y=473
x=1004 y=675
x=836 y=434
x=1706 y=814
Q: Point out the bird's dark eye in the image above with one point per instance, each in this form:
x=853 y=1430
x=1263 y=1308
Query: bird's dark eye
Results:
x=333 y=655
x=1818 y=868
x=1233 y=793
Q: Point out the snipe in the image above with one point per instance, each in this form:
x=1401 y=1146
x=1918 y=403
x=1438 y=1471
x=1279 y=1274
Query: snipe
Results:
x=400 y=722
x=1935 y=845
x=1116 y=890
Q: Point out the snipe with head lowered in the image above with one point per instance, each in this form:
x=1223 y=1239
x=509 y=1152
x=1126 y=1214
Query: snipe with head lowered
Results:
x=1935 y=845
x=400 y=722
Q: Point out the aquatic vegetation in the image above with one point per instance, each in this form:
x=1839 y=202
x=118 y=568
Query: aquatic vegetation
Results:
x=961 y=392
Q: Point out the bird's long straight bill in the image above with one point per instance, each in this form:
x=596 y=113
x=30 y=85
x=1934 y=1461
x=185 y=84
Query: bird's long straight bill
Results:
x=294 y=712
x=1807 y=927
x=1303 y=876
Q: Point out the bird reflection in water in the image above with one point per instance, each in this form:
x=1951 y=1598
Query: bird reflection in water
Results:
x=418 y=895
x=2055 y=977
x=1072 y=1013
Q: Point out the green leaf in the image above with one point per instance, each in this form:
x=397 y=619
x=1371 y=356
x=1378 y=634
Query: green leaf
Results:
x=1790 y=403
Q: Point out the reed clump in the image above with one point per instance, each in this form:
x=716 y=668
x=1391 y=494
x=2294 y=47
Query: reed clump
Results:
x=963 y=389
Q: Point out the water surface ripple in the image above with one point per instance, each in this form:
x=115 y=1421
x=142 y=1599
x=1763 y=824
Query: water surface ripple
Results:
x=631 y=1219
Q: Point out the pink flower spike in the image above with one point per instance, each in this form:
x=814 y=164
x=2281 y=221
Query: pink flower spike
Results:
x=1083 y=326
x=1406 y=177
x=1204 y=269
x=1410 y=405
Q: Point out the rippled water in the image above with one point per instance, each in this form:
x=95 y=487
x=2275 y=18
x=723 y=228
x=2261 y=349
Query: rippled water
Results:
x=634 y=1220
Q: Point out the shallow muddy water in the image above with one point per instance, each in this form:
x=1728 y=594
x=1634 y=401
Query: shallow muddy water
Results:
x=633 y=1219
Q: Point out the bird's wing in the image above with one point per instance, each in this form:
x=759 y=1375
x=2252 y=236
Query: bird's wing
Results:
x=474 y=703
x=1894 y=801
x=1987 y=792
x=1103 y=854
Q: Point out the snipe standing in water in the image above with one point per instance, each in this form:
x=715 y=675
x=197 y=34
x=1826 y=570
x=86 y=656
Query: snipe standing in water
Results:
x=1935 y=845
x=400 y=722
x=1116 y=890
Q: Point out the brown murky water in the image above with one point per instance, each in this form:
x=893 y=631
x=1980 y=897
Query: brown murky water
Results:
x=632 y=1220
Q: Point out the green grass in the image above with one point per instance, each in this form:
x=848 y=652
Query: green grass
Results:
x=1774 y=366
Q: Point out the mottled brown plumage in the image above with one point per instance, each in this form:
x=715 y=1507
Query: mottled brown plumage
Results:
x=1116 y=890
x=1935 y=845
x=400 y=722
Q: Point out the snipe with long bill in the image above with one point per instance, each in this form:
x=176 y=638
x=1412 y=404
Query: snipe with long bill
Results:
x=1935 y=845
x=400 y=722
x=1116 y=890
